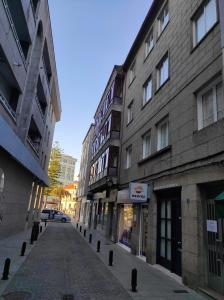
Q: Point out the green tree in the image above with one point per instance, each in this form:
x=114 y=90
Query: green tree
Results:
x=54 y=168
x=60 y=192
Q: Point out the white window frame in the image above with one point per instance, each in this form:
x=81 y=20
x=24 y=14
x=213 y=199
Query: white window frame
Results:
x=199 y=13
x=159 y=134
x=144 y=144
x=128 y=157
x=132 y=72
x=130 y=112
x=161 y=24
x=212 y=86
x=160 y=69
x=149 y=43
x=146 y=99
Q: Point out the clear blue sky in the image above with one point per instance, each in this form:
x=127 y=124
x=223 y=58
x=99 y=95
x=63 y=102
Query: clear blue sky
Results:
x=90 y=37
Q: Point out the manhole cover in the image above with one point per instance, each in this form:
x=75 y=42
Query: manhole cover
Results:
x=17 y=296
x=68 y=297
x=180 y=291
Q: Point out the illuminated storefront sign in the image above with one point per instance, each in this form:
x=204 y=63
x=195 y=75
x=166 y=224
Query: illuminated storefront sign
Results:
x=138 y=192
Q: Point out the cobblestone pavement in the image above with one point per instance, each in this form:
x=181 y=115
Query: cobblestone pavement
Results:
x=62 y=264
x=152 y=283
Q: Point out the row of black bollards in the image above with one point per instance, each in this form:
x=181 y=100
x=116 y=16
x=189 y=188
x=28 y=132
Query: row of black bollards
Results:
x=134 y=273
x=36 y=229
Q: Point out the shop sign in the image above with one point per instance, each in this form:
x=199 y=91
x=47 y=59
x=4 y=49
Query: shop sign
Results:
x=98 y=196
x=138 y=192
x=212 y=226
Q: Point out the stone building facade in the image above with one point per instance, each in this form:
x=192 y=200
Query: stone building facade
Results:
x=175 y=140
x=172 y=141
x=29 y=108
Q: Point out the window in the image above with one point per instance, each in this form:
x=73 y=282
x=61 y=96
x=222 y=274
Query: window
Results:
x=204 y=20
x=210 y=104
x=128 y=157
x=162 y=134
x=163 y=71
x=130 y=112
x=163 y=19
x=132 y=73
x=149 y=43
x=147 y=91
x=146 y=145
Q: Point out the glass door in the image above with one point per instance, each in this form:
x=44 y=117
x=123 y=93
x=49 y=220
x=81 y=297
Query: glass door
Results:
x=164 y=241
x=169 y=243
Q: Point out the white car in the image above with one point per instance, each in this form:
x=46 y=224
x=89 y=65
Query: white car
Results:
x=54 y=215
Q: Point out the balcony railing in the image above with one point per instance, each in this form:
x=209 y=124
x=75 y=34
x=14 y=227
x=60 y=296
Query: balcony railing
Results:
x=7 y=106
x=39 y=107
x=34 y=146
x=111 y=135
x=110 y=171
x=14 y=31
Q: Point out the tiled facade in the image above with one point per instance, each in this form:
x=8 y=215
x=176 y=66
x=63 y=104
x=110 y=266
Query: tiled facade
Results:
x=29 y=108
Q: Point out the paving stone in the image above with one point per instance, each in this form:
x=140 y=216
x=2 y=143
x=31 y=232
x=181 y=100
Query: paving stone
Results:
x=62 y=264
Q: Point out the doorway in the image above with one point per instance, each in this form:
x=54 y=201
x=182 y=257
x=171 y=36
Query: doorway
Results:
x=169 y=235
x=215 y=247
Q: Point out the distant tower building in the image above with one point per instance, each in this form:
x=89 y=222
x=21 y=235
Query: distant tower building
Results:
x=67 y=169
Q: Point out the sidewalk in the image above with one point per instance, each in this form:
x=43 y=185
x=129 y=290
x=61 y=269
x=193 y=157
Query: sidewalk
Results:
x=11 y=248
x=153 y=284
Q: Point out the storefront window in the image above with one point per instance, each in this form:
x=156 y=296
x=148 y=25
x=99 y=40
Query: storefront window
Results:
x=125 y=224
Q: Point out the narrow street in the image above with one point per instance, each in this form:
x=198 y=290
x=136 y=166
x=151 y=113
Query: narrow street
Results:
x=61 y=264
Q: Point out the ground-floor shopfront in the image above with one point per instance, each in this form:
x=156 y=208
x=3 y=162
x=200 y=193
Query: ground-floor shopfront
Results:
x=178 y=228
x=185 y=234
x=102 y=213
x=84 y=210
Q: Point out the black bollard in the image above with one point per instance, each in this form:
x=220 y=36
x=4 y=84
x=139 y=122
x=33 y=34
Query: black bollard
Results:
x=98 y=246
x=111 y=255
x=80 y=228
x=45 y=223
x=23 y=249
x=134 y=280
x=84 y=233
x=90 y=238
x=40 y=229
x=5 y=274
x=32 y=238
x=77 y=225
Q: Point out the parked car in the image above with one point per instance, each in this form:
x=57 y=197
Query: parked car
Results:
x=54 y=215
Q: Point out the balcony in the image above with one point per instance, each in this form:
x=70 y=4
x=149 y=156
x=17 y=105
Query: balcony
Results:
x=9 y=90
x=110 y=130
x=46 y=63
x=34 y=4
x=112 y=101
x=105 y=166
x=15 y=14
x=34 y=137
x=41 y=99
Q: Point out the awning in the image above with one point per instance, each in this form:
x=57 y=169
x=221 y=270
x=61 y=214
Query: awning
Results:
x=220 y=197
x=219 y=206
